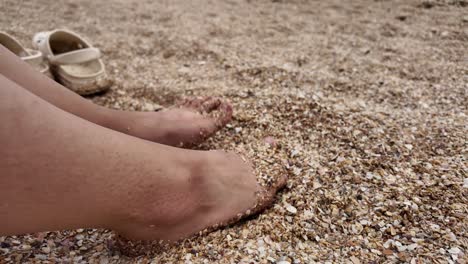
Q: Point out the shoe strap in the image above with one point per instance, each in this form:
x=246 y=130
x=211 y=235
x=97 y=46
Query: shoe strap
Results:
x=32 y=56
x=75 y=57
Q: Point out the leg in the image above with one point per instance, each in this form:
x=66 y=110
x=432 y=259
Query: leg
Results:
x=181 y=126
x=59 y=171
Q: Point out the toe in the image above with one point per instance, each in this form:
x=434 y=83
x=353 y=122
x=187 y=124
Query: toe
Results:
x=266 y=196
x=197 y=103
x=206 y=116
x=223 y=114
x=265 y=199
x=210 y=105
x=220 y=113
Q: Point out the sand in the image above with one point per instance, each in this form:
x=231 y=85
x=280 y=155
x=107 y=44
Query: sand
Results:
x=362 y=103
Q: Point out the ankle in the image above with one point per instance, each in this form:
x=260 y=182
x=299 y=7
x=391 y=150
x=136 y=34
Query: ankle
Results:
x=165 y=206
x=109 y=118
x=138 y=124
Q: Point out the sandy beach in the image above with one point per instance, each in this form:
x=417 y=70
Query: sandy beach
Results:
x=363 y=104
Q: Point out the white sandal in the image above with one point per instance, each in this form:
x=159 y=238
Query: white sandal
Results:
x=32 y=57
x=74 y=62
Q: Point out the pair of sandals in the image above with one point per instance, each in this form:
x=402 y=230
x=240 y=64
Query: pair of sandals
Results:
x=65 y=55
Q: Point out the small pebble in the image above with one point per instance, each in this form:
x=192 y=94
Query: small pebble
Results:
x=46 y=250
x=291 y=208
x=401 y=248
x=412 y=247
x=454 y=250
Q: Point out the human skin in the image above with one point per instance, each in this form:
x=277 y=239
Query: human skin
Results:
x=188 y=123
x=59 y=171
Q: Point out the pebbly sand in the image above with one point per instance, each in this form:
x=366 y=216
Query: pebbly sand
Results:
x=362 y=103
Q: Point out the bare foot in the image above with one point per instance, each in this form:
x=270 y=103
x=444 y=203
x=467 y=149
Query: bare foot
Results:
x=186 y=124
x=141 y=189
x=191 y=123
x=223 y=190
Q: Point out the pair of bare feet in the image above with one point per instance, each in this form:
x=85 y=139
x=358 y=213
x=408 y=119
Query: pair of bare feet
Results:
x=67 y=163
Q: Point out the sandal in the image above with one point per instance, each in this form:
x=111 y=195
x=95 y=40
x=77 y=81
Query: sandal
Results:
x=74 y=62
x=32 y=57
